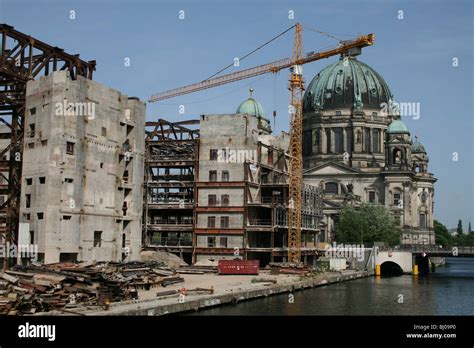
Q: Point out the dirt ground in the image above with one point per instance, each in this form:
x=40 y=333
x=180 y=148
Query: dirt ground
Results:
x=221 y=283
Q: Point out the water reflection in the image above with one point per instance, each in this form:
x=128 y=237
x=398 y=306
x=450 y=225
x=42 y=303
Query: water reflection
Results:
x=448 y=291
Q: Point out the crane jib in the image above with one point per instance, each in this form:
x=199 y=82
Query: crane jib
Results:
x=273 y=67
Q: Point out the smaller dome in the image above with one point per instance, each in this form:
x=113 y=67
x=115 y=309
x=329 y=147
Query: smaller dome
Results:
x=417 y=147
x=251 y=107
x=397 y=126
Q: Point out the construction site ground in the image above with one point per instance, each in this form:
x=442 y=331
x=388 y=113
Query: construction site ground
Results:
x=226 y=289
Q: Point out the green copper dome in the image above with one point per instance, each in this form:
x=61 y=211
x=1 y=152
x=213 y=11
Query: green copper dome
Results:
x=251 y=107
x=347 y=83
x=398 y=127
x=417 y=147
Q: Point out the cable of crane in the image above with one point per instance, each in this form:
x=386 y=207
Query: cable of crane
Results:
x=248 y=54
x=325 y=33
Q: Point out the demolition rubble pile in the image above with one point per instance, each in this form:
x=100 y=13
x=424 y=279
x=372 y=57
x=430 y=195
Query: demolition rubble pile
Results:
x=65 y=286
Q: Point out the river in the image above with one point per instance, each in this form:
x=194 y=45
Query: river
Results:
x=448 y=291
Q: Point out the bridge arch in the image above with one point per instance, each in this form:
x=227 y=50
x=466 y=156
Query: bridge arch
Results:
x=391 y=268
x=401 y=259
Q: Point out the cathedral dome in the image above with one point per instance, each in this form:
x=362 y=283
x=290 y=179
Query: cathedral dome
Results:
x=417 y=147
x=251 y=107
x=348 y=83
x=398 y=127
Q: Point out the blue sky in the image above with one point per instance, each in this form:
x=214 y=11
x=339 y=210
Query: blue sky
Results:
x=414 y=55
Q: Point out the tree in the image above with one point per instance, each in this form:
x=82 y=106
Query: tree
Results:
x=442 y=235
x=367 y=224
x=459 y=229
x=469 y=230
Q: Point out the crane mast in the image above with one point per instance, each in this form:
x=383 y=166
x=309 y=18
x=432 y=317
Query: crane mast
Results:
x=295 y=151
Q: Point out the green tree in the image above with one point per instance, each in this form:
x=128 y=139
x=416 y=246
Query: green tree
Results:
x=459 y=229
x=469 y=229
x=367 y=224
x=443 y=237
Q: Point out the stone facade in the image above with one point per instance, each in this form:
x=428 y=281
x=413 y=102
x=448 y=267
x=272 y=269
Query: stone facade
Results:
x=358 y=150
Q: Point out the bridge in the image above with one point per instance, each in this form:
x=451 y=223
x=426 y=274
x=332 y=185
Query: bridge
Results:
x=401 y=260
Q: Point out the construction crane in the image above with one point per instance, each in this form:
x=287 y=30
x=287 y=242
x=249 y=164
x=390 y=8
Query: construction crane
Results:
x=296 y=87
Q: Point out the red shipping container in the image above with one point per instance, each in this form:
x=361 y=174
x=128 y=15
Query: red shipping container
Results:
x=238 y=267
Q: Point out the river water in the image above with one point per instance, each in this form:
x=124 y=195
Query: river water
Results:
x=448 y=291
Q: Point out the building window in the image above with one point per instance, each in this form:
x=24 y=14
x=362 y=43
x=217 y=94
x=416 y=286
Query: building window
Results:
x=213 y=154
x=32 y=111
x=371 y=196
x=211 y=222
x=29 y=181
x=123 y=240
x=2 y=200
x=97 y=239
x=224 y=222
x=27 y=217
x=70 y=148
x=32 y=130
x=211 y=242
x=67 y=217
x=40 y=216
x=68 y=180
x=32 y=237
x=212 y=175
x=225 y=200
x=225 y=175
x=223 y=242
x=367 y=140
x=338 y=140
x=423 y=221
x=328 y=141
x=104 y=131
x=42 y=179
x=211 y=200
x=270 y=157
x=396 y=198
x=307 y=143
x=376 y=141
x=331 y=188
x=28 y=200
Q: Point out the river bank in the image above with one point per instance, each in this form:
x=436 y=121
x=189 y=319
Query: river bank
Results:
x=230 y=289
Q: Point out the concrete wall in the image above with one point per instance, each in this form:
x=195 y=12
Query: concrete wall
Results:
x=85 y=187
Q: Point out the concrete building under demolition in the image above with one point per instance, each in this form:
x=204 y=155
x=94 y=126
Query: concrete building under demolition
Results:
x=219 y=190
x=82 y=176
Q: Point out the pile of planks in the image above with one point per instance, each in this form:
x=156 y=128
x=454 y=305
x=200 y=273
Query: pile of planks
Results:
x=65 y=286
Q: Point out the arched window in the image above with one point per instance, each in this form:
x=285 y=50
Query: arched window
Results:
x=338 y=140
x=397 y=156
x=331 y=188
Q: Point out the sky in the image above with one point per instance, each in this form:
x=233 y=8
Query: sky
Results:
x=144 y=47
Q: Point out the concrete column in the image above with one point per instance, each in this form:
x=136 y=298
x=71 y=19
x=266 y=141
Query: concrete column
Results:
x=371 y=149
x=333 y=147
x=344 y=140
x=382 y=149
